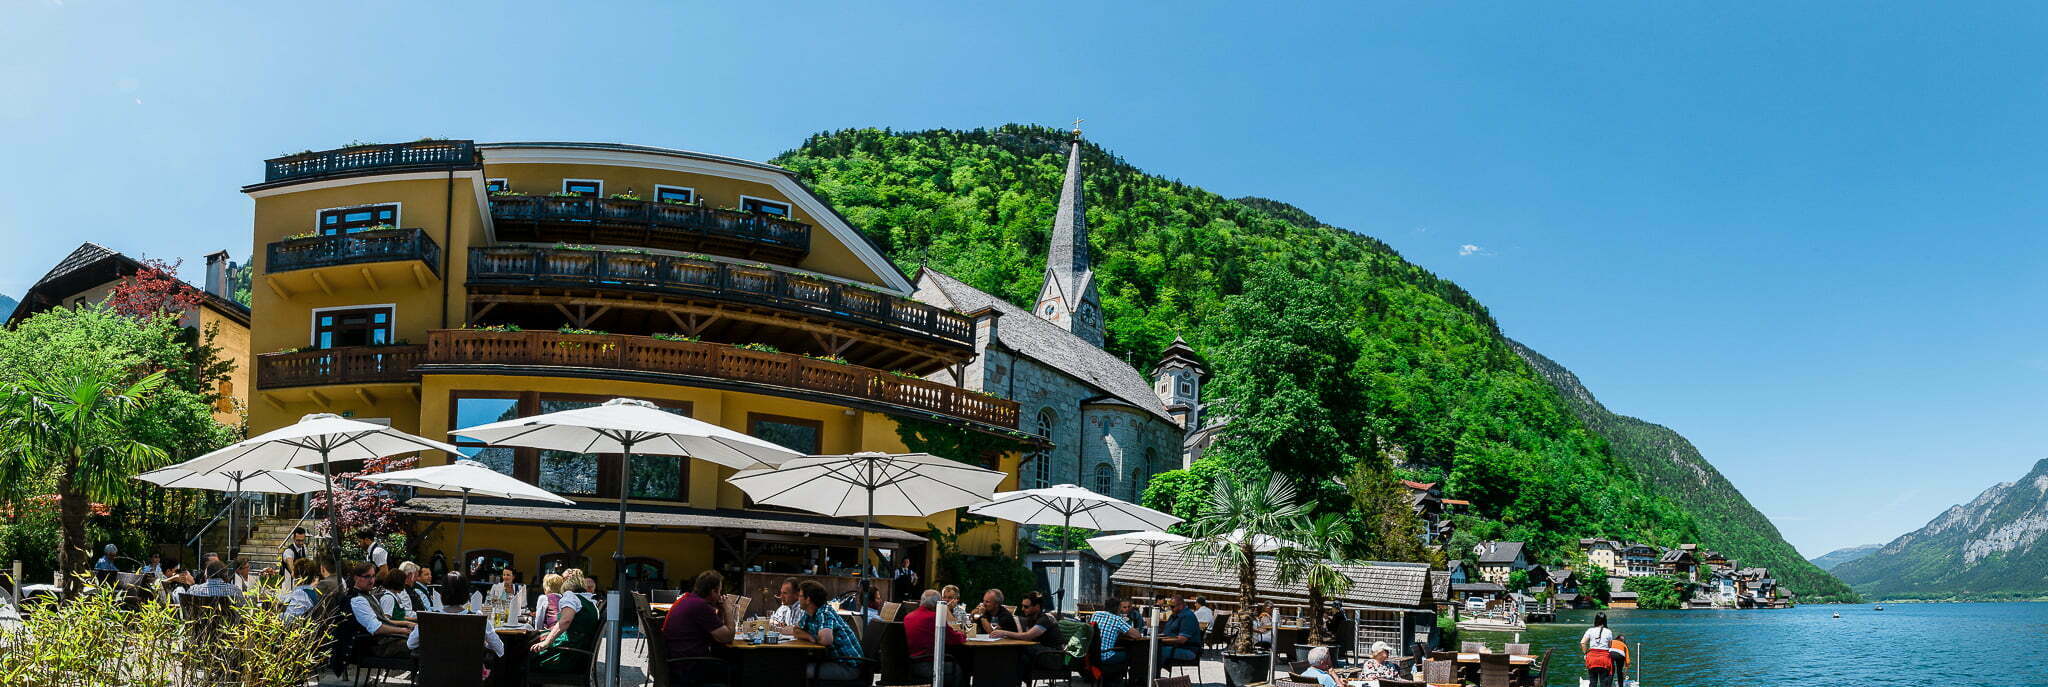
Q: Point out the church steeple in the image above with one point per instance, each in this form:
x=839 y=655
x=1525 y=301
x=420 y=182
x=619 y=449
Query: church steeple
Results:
x=1068 y=297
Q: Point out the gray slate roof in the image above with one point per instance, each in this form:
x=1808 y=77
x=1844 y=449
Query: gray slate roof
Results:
x=677 y=517
x=1045 y=342
x=1500 y=552
x=1479 y=587
x=1403 y=586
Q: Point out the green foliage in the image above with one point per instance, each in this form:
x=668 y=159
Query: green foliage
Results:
x=1518 y=580
x=73 y=643
x=1241 y=510
x=1182 y=492
x=1656 y=591
x=975 y=574
x=1285 y=378
x=1058 y=536
x=953 y=441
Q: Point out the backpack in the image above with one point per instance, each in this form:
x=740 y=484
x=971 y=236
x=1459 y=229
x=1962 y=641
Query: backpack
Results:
x=1080 y=637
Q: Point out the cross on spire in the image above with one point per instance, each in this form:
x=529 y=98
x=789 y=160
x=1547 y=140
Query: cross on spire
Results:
x=1077 y=126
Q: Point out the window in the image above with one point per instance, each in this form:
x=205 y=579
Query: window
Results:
x=1105 y=478
x=484 y=564
x=555 y=563
x=645 y=574
x=588 y=188
x=1137 y=484
x=474 y=408
x=497 y=185
x=674 y=194
x=797 y=434
x=764 y=206
x=337 y=327
x=565 y=472
x=1041 y=464
x=569 y=473
x=360 y=218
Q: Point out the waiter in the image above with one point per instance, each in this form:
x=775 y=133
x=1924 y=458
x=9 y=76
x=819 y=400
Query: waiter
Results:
x=905 y=579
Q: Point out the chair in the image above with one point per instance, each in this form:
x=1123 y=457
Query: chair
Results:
x=1182 y=664
x=1439 y=672
x=706 y=671
x=1472 y=647
x=574 y=677
x=1517 y=650
x=1539 y=675
x=1178 y=681
x=1295 y=667
x=664 y=596
x=890 y=611
x=1496 y=670
x=894 y=651
x=451 y=650
x=1219 y=632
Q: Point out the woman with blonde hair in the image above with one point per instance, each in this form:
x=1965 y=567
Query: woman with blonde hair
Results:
x=550 y=599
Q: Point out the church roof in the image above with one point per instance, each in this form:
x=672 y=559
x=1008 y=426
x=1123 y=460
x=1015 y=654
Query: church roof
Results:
x=1045 y=342
x=1067 y=257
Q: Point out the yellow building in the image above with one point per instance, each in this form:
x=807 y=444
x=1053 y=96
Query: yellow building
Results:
x=440 y=284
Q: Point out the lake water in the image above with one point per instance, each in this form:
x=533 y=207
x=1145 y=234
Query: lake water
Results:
x=1987 y=644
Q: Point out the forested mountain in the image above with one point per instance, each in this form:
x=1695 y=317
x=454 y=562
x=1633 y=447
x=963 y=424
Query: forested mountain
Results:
x=7 y=304
x=1447 y=396
x=1991 y=548
x=1727 y=521
x=1834 y=559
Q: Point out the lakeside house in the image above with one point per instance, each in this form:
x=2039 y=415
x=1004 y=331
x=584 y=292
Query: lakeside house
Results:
x=1498 y=559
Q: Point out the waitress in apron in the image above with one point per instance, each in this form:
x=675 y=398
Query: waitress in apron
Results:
x=576 y=625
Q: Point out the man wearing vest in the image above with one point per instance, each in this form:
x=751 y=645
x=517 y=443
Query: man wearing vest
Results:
x=378 y=634
x=374 y=552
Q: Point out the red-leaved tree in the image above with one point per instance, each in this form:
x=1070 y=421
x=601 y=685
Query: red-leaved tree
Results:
x=364 y=505
x=153 y=290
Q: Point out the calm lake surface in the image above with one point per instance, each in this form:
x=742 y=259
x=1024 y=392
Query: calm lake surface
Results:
x=1905 y=644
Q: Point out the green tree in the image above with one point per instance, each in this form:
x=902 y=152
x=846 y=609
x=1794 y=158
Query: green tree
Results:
x=1323 y=543
x=1242 y=509
x=1655 y=591
x=75 y=423
x=1284 y=379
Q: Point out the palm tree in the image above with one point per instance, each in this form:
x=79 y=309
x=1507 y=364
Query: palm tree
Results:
x=74 y=425
x=1324 y=544
x=1228 y=527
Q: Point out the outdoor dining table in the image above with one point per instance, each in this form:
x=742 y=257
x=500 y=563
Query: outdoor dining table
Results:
x=994 y=662
x=510 y=670
x=1517 y=660
x=781 y=663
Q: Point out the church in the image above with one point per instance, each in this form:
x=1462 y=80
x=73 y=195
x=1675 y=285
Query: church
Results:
x=1110 y=427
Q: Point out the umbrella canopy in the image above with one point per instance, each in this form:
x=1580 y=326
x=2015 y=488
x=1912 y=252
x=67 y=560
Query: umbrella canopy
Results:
x=284 y=481
x=1072 y=506
x=468 y=477
x=1261 y=543
x=608 y=428
x=1111 y=545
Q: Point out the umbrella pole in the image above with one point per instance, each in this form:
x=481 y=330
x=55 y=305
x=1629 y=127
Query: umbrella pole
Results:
x=234 y=545
x=333 y=512
x=1066 y=550
x=611 y=672
x=461 y=522
x=867 y=520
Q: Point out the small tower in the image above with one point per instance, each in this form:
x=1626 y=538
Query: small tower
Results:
x=1068 y=298
x=1178 y=380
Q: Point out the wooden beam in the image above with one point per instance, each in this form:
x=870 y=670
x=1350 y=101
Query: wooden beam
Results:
x=322 y=283
x=478 y=315
x=277 y=288
x=318 y=397
x=550 y=529
x=271 y=398
x=420 y=275
x=365 y=396
x=369 y=278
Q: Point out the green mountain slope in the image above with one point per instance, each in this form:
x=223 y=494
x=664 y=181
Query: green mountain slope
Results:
x=1448 y=394
x=1834 y=559
x=1728 y=523
x=1991 y=548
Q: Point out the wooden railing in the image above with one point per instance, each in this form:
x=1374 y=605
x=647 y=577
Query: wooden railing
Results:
x=717 y=280
x=717 y=361
x=660 y=224
x=351 y=365
x=396 y=156
x=384 y=245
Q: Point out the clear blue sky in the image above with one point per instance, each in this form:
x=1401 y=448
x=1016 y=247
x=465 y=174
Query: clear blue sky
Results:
x=1809 y=238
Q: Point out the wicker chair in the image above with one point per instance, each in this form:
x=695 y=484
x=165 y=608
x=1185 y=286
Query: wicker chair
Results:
x=664 y=596
x=451 y=649
x=1496 y=670
x=1517 y=650
x=1539 y=675
x=1440 y=672
x=1473 y=647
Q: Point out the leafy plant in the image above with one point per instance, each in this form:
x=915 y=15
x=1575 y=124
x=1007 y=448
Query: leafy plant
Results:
x=1243 y=511
x=97 y=640
x=565 y=329
x=979 y=572
x=1656 y=591
x=302 y=235
x=664 y=336
x=508 y=193
x=1325 y=543
x=623 y=196
x=827 y=358
x=761 y=347
x=495 y=328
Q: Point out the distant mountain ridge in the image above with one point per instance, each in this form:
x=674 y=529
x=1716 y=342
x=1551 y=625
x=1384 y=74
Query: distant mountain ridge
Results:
x=7 y=304
x=1991 y=548
x=1834 y=559
x=1728 y=522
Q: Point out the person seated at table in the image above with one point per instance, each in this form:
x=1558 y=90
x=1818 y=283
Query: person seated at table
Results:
x=1262 y=625
x=1379 y=664
x=547 y=605
x=106 y=566
x=155 y=566
x=695 y=623
x=304 y=596
x=385 y=636
x=919 y=628
x=1318 y=669
x=1039 y=626
x=244 y=577
x=1203 y=613
x=1181 y=635
x=822 y=626
x=421 y=594
x=1110 y=628
x=1129 y=611
x=575 y=627
x=962 y=615
x=991 y=615
x=507 y=586
x=492 y=643
x=175 y=581
x=874 y=605
x=790 y=612
x=219 y=583
x=391 y=596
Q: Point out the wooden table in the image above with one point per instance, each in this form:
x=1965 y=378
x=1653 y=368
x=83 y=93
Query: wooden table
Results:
x=510 y=670
x=994 y=663
x=772 y=664
x=1516 y=660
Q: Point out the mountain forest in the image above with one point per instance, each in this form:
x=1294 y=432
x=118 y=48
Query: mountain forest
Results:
x=1429 y=387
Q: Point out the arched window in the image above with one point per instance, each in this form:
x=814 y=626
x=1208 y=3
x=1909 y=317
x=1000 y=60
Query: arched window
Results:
x=1041 y=465
x=1105 y=478
x=1137 y=485
x=645 y=574
x=484 y=564
x=555 y=563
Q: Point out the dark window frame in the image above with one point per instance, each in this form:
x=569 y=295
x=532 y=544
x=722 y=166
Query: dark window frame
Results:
x=343 y=225
x=597 y=192
x=497 y=185
x=757 y=205
x=526 y=461
x=660 y=189
x=389 y=326
x=755 y=419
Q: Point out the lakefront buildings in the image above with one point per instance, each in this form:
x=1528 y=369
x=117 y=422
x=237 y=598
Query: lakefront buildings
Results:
x=440 y=284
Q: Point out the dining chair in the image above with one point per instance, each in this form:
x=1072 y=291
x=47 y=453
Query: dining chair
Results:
x=451 y=652
x=1517 y=649
x=1496 y=670
x=1473 y=647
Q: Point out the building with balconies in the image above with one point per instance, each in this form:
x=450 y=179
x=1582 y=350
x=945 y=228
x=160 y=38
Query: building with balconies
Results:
x=440 y=284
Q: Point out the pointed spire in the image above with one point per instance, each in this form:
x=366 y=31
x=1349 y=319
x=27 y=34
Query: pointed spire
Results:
x=1068 y=256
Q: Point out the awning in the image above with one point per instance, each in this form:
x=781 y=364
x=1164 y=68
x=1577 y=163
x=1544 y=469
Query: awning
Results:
x=641 y=517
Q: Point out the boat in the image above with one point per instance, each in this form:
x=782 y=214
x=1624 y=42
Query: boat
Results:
x=1880 y=608
x=1492 y=625
x=1838 y=615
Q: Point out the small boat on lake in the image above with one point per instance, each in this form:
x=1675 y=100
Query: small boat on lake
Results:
x=1880 y=608
x=1838 y=615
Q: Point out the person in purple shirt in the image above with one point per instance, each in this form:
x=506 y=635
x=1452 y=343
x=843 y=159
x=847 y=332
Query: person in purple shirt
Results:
x=695 y=623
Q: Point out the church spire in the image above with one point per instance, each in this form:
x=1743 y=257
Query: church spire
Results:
x=1068 y=298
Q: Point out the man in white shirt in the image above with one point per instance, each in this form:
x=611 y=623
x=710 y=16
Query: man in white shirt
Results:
x=492 y=643
x=389 y=634
x=1204 y=614
x=373 y=551
x=789 y=613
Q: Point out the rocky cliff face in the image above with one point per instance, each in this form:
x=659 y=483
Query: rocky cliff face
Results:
x=1990 y=548
x=1671 y=464
x=1834 y=559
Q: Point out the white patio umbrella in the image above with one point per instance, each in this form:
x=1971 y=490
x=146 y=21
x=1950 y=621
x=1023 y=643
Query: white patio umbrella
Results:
x=285 y=481
x=1072 y=506
x=1120 y=544
x=469 y=477
x=868 y=484
x=321 y=438
x=626 y=426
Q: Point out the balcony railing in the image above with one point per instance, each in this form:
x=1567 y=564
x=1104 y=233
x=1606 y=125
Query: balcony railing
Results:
x=383 y=245
x=673 y=226
x=357 y=159
x=716 y=280
x=714 y=361
x=351 y=365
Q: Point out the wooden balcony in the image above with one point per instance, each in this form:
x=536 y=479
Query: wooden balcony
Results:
x=384 y=245
x=352 y=365
x=721 y=282
x=473 y=351
x=666 y=226
x=371 y=159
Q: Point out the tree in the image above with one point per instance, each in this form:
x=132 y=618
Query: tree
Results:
x=1284 y=377
x=365 y=506
x=1655 y=591
x=1241 y=510
x=1323 y=543
x=154 y=290
x=75 y=423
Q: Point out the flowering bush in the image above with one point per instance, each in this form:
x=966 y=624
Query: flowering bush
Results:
x=363 y=505
x=153 y=290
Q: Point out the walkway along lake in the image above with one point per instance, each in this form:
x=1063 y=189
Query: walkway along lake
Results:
x=1905 y=644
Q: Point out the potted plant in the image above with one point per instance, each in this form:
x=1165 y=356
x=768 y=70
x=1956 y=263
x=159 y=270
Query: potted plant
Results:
x=1324 y=544
x=1240 y=513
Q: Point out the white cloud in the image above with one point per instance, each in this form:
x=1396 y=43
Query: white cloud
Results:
x=1472 y=249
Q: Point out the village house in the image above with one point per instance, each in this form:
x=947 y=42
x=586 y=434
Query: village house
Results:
x=1605 y=553
x=1638 y=559
x=1498 y=559
x=1677 y=563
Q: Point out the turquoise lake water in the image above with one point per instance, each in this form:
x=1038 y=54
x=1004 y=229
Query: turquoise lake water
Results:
x=1986 y=644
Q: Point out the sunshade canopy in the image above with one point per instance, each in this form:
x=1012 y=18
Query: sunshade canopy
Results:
x=909 y=484
x=302 y=443
x=1112 y=545
x=1066 y=504
x=466 y=476
x=285 y=481
x=607 y=428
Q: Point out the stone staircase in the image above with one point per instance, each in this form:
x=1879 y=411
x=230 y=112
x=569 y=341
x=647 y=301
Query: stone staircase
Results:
x=265 y=540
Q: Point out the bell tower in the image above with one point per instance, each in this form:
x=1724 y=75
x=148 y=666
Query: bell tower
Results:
x=1068 y=297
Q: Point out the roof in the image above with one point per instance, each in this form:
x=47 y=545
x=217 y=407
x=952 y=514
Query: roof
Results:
x=1045 y=342
x=1478 y=588
x=1422 y=486
x=90 y=265
x=1454 y=565
x=647 y=517
x=1179 y=352
x=1622 y=596
x=1439 y=584
x=1500 y=552
x=1066 y=260
x=1401 y=586
x=1199 y=441
x=1561 y=575
x=1675 y=555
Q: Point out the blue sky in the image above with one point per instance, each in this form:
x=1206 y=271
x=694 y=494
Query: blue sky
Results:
x=1807 y=237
